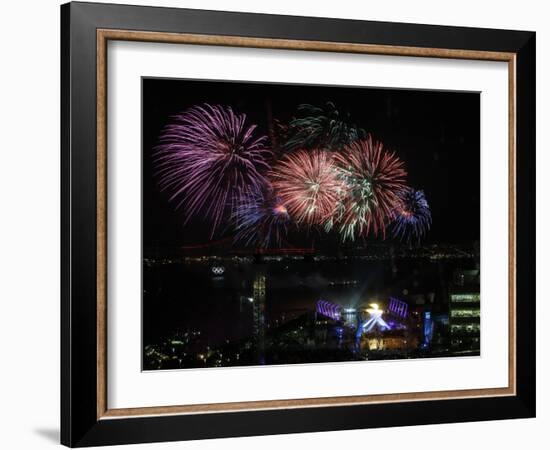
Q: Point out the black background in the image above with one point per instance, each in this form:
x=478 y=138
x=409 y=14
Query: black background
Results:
x=436 y=133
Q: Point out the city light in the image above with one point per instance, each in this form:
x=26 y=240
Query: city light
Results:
x=218 y=270
x=328 y=309
x=375 y=319
x=398 y=307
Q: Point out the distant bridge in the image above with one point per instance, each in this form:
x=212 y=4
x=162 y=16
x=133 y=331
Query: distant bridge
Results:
x=226 y=245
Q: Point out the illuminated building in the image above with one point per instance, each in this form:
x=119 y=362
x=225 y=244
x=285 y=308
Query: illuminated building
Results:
x=398 y=308
x=391 y=341
x=258 y=312
x=329 y=309
x=349 y=316
x=464 y=310
x=428 y=328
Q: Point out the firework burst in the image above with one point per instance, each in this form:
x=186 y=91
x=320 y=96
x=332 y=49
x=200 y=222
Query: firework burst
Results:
x=412 y=217
x=207 y=158
x=261 y=219
x=308 y=184
x=316 y=127
x=373 y=178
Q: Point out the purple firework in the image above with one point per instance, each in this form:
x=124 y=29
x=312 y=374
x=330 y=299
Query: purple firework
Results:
x=261 y=219
x=412 y=217
x=208 y=158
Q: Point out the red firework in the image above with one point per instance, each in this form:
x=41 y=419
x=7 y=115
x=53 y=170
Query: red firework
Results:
x=308 y=184
x=373 y=179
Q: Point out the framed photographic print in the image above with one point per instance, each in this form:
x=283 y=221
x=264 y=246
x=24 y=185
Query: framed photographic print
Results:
x=276 y=224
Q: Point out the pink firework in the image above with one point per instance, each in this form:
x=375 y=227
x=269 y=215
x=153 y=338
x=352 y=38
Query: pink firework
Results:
x=208 y=159
x=308 y=184
x=373 y=178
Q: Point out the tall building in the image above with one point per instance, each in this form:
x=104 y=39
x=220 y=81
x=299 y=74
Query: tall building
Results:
x=464 y=310
x=258 y=311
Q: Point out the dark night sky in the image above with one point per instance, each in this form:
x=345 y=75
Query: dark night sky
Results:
x=435 y=133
